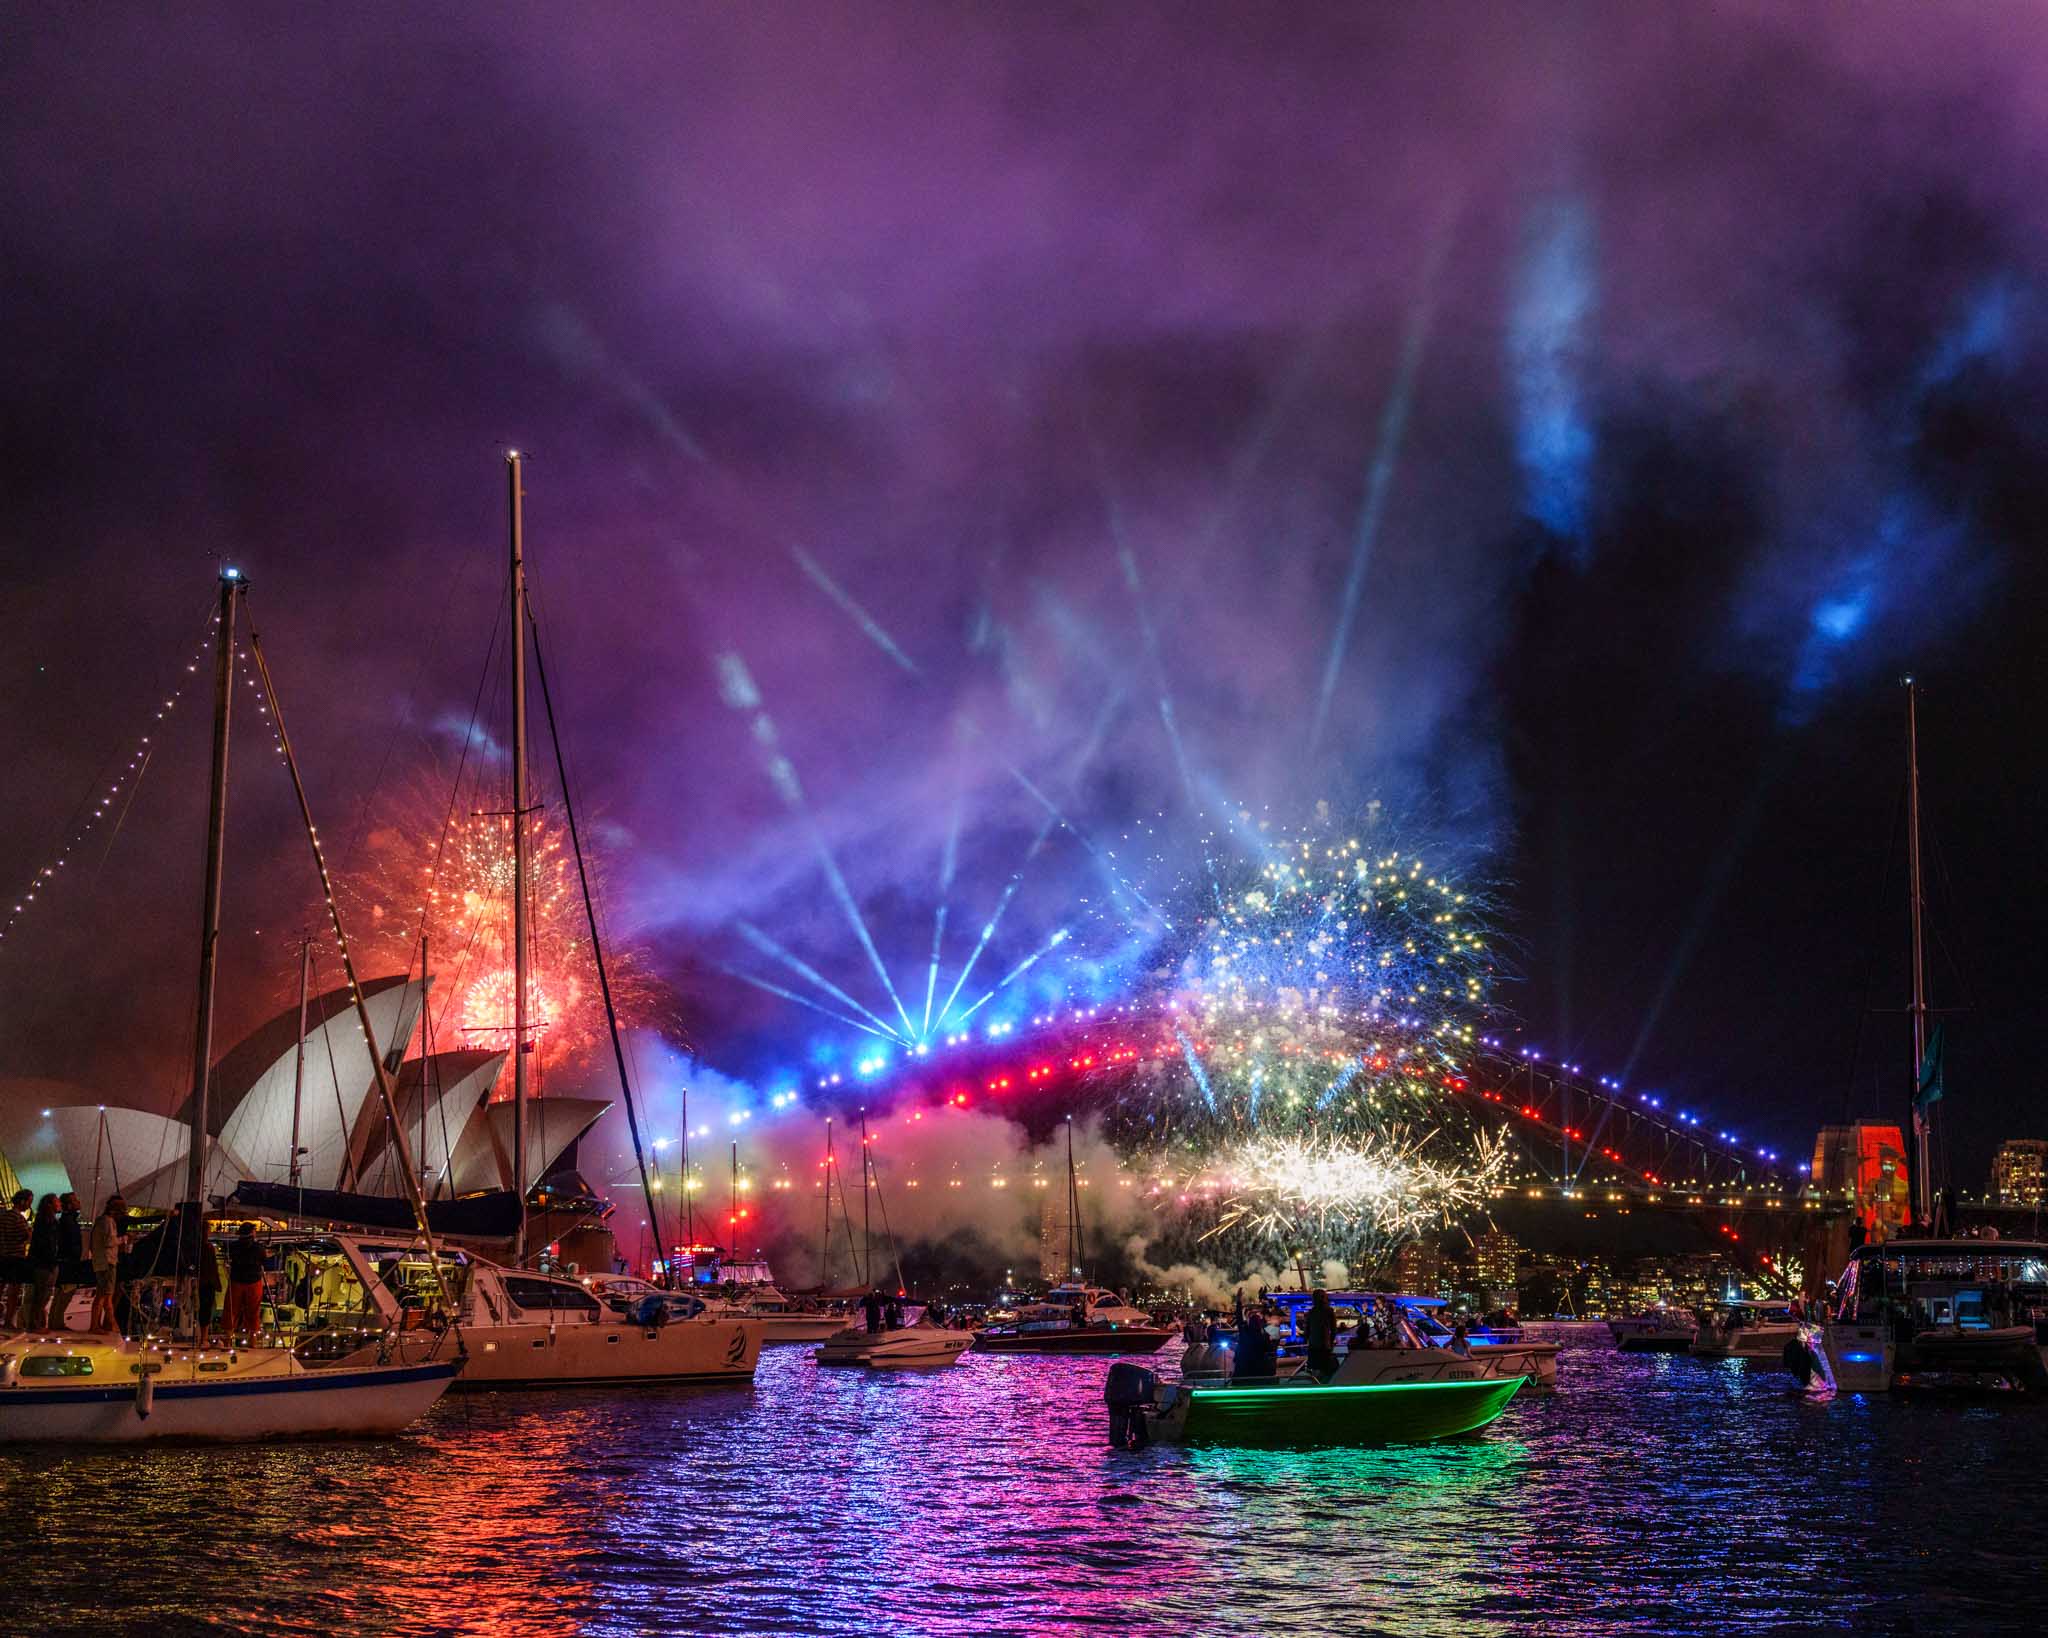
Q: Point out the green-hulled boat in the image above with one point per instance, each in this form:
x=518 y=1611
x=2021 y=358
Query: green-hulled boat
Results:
x=1394 y=1413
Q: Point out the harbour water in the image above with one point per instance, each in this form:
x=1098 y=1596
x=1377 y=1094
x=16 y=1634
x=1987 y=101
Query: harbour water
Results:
x=1649 y=1494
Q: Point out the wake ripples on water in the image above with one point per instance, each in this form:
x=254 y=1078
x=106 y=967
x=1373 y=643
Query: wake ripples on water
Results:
x=1646 y=1495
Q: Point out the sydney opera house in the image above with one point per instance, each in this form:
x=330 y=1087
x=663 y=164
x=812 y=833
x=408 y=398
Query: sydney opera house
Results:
x=55 y=1135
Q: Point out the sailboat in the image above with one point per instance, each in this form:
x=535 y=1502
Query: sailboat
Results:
x=1075 y=1317
x=1930 y=1309
x=67 y=1387
x=528 y=1327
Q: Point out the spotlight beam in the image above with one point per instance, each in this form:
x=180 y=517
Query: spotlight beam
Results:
x=1380 y=476
x=800 y=1000
x=741 y=693
x=803 y=969
x=868 y=624
x=1017 y=972
x=948 y=858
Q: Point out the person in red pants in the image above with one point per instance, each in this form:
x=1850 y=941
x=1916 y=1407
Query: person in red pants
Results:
x=245 y=1284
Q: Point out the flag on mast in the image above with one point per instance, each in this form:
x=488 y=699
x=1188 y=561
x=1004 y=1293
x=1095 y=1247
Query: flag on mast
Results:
x=1930 y=1089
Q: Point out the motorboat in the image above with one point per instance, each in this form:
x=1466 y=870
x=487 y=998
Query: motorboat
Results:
x=1739 y=1329
x=783 y=1319
x=108 y=1390
x=1960 y=1314
x=1654 y=1331
x=918 y=1343
x=338 y=1297
x=1301 y=1413
x=1430 y=1350
x=1076 y=1319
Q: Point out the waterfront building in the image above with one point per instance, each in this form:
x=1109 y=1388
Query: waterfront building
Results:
x=2019 y=1172
x=1496 y=1260
x=1421 y=1269
x=1865 y=1160
x=1647 y=1283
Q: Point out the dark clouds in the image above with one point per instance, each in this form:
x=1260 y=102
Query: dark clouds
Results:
x=1033 y=329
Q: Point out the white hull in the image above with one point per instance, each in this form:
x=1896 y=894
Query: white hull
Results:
x=259 y=1394
x=912 y=1346
x=1535 y=1360
x=797 y=1327
x=580 y=1354
x=1370 y=1367
x=1760 y=1342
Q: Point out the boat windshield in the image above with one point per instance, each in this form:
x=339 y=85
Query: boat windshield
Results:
x=1970 y=1287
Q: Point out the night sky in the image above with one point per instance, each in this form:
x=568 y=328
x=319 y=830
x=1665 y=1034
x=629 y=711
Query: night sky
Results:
x=1559 y=425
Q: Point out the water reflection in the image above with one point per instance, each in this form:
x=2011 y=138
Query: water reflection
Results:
x=1649 y=1494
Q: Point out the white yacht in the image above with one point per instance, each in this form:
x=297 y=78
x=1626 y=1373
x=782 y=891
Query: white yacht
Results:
x=1739 y=1329
x=746 y=1290
x=338 y=1295
x=1654 y=1331
x=1429 y=1355
x=1941 y=1313
x=917 y=1343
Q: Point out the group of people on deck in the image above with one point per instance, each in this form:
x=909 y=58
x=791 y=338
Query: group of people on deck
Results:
x=44 y=1258
x=46 y=1255
x=1251 y=1342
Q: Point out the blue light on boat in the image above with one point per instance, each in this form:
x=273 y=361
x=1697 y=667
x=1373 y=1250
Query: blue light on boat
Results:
x=1859 y=1359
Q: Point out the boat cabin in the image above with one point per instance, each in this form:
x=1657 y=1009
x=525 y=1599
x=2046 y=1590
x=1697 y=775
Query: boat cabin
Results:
x=1372 y=1308
x=1079 y=1304
x=344 y=1285
x=1964 y=1285
x=1744 y=1313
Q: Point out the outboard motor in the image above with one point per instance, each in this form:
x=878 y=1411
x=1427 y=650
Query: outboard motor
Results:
x=1128 y=1391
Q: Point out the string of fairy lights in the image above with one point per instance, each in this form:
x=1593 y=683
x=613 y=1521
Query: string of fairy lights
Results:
x=99 y=806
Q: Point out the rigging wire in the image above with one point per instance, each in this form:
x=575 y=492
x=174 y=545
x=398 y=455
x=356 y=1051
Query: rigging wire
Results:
x=596 y=944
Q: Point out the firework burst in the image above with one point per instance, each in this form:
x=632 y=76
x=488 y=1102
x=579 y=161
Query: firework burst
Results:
x=1326 y=985
x=458 y=892
x=1357 y=1197
x=1322 y=994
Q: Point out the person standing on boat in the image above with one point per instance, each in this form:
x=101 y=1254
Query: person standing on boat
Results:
x=871 y=1309
x=245 y=1283
x=14 y=1275
x=42 y=1265
x=1255 y=1355
x=109 y=1236
x=1319 y=1331
x=72 y=1270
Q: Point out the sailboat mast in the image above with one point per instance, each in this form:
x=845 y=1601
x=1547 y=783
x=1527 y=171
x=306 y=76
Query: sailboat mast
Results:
x=514 y=472
x=216 y=857
x=825 y=1238
x=735 y=1223
x=1922 y=1182
x=867 y=1233
x=298 y=1169
x=426 y=1058
x=1073 y=1208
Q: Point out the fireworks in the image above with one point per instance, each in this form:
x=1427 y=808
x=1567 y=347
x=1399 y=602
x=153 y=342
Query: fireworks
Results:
x=465 y=908
x=1325 y=986
x=1322 y=996
x=1357 y=1196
